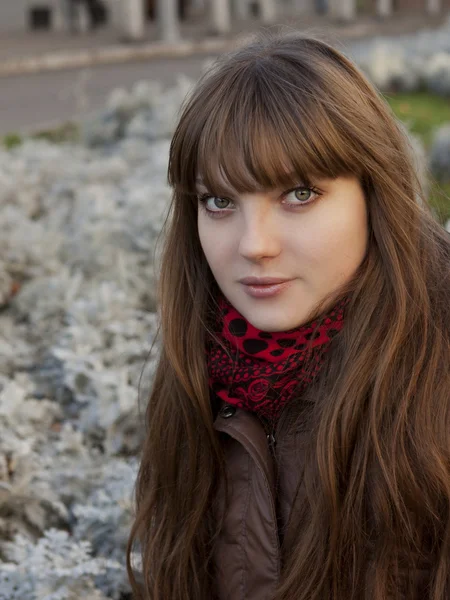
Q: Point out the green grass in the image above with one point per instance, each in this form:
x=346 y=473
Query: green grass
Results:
x=440 y=200
x=67 y=132
x=11 y=140
x=423 y=113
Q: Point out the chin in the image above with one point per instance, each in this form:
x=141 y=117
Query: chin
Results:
x=272 y=325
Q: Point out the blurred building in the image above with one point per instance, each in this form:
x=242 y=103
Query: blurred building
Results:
x=408 y=5
x=23 y=15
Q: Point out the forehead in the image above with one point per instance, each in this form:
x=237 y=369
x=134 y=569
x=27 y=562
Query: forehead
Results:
x=257 y=137
x=246 y=168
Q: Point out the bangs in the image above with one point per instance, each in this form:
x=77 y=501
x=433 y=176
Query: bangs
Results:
x=260 y=130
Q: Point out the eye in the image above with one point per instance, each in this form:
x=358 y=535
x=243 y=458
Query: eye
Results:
x=214 y=204
x=300 y=196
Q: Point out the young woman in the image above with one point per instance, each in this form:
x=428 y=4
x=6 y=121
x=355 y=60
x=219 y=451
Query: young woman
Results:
x=297 y=435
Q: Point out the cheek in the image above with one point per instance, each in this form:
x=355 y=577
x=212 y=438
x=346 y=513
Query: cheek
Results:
x=216 y=247
x=337 y=246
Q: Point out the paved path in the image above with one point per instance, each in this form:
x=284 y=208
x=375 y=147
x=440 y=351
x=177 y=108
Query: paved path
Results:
x=31 y=102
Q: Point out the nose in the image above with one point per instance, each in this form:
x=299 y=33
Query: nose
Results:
x=259 y=238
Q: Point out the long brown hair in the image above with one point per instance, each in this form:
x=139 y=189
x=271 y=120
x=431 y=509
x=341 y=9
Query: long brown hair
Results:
x=378 y=473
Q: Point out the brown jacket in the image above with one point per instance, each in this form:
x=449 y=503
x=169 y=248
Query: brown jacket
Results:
x=247 y=555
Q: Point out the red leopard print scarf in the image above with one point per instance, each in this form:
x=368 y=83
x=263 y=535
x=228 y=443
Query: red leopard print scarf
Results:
x=267 y=367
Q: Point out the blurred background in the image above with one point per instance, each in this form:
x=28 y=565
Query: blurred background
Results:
x=89 y=96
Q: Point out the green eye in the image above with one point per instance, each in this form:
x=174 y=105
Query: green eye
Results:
x=220 y=202
x=214 y=205
x=303 y=194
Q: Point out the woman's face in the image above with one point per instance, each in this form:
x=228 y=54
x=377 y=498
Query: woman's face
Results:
x=313 y=239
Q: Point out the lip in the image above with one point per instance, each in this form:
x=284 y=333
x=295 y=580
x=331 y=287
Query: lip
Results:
x=263 y=280
x=265 y=287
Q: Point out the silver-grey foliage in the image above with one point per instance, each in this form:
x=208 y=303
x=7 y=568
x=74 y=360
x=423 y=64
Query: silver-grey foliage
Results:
x=78 y=262
x=55 y=568
x=408 y=63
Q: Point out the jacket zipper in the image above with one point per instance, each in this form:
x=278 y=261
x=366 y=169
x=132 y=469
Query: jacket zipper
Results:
x=269 y=429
